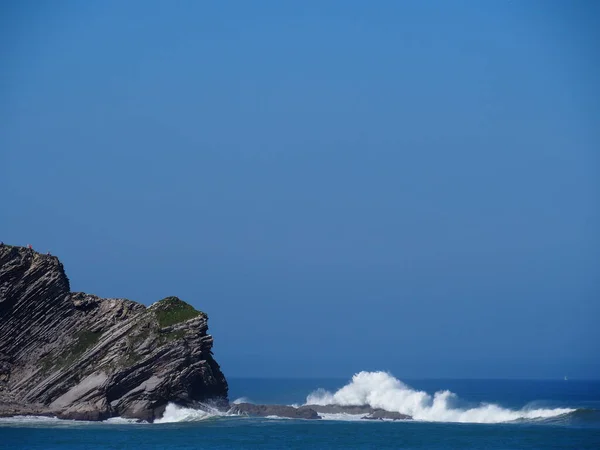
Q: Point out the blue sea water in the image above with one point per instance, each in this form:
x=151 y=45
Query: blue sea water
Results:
x=571 y=409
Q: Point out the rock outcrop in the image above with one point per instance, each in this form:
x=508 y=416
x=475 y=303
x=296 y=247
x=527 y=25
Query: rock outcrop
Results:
x=382 y=414
x=290 y=412
x=366 y=411
x=315 y=411
x=77 y=356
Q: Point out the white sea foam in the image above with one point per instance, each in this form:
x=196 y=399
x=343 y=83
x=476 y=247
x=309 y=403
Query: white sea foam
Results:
x=29 y=419
x=56 y=422
x=123 y=421
x=174 y=413
x=382 y=390
x=342 y=417
x=237 y=401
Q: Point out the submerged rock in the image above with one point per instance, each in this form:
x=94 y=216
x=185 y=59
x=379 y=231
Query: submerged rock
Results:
x=368 y=411
x=314 y=411
x=290 y=412
x=339 y=409
x=78 y=356
x=381 y=414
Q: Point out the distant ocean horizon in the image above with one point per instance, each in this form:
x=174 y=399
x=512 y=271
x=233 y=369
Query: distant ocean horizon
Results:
x=449 y=413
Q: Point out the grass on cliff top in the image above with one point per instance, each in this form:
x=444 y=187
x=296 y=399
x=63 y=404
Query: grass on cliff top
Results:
x=171 y=310
x=84 y=340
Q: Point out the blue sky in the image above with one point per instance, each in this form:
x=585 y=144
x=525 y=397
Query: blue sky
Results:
x=342 y=186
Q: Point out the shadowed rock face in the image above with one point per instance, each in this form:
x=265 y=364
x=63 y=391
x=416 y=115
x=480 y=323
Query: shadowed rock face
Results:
x=370 y=412
x=78 y=356
x=382 y=414
x=313 y=411
x=250 y=409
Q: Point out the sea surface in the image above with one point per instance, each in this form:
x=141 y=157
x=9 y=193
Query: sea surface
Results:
x=450 y=414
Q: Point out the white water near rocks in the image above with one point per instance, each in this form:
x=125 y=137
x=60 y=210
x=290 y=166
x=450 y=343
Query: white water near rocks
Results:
x=376 y=389
x=174 y=413
x=342 y=417
x=382 y=390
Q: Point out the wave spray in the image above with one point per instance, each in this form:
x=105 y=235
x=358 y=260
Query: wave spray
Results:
x=382 y=390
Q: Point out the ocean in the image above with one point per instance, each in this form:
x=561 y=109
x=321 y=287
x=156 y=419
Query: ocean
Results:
x=449 y=414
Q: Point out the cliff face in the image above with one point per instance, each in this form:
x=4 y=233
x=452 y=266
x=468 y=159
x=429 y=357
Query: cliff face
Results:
x=78 y=356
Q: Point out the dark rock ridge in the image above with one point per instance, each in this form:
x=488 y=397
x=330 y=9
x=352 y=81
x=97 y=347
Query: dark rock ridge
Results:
x=77 y=356
x=313 y=411
x=368 y=411
x=249 y=409
x=382 y=414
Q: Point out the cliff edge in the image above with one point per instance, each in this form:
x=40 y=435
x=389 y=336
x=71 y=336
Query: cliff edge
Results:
x=78 y=356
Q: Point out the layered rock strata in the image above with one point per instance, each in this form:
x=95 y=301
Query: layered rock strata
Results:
x=77 y=356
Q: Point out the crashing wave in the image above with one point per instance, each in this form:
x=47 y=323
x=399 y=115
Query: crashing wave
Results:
x=382 y=390
x=174 y=413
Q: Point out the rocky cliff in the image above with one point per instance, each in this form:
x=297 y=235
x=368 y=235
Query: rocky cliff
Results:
x=78 y=356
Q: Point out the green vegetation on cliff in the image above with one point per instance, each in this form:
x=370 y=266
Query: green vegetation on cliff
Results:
x=78 y=356
x=171 y=310
x=84 y=340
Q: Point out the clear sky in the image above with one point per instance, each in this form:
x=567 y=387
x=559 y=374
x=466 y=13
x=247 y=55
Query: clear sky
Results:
x=341 y=186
